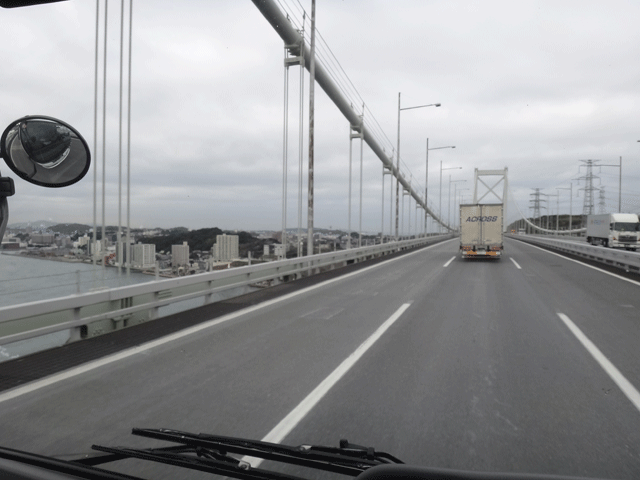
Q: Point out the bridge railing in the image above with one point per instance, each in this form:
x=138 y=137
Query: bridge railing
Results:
x=95 y=313
x=626 y=260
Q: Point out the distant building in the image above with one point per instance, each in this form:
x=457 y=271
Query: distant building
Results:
x=121 y=253
x=180 y=255
x=227 y=248
x=144 y=255
x=266 y=251
x=95 y=248
x=42 y=239
x=84 y=240
x=10 y=243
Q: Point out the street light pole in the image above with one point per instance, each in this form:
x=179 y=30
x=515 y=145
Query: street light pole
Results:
x=398 y=156
x=427 y=181
x=619 y=183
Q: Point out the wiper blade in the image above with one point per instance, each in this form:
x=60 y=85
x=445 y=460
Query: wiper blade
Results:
x=348 y=459
x=204 y=461
x=211 y=453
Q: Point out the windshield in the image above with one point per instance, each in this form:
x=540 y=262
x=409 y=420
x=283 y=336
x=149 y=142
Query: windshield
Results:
x=250 y=258
x=626 y=227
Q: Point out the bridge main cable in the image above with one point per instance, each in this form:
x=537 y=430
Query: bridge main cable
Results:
x=291 y=36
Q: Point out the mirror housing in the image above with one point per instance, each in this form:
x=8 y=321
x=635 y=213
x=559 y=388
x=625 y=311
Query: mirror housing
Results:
x=45 y=151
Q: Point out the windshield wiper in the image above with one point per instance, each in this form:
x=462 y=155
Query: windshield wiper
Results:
x=212 y=454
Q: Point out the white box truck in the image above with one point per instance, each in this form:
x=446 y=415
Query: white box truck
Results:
x=481 y=230
x=616 y=230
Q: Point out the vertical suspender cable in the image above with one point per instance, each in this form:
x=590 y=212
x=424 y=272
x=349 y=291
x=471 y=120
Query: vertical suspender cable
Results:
x=426 y=192
x=300 y=140
x=119 y=239
x=349 y=203
x=129 y=143
x=391 y=202
x=103 y=242
x=382 y=214
x=285 y=141
x=312 y=80
x=95 y=145
x=361 y=152
x=398 y=170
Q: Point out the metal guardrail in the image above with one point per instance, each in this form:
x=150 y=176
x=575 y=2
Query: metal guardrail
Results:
x=95 y=313
x=626 y=260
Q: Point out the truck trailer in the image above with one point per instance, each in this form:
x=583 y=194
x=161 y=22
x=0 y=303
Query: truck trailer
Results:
x=481 y=230
x=616 y=230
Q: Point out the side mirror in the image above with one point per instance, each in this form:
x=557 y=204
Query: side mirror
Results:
x=45 y=151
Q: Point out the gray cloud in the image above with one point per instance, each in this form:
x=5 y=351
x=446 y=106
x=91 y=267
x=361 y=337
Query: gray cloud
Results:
x=535 y=86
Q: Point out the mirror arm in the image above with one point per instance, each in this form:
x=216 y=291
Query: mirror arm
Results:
x=4 y=215
x=7 y=187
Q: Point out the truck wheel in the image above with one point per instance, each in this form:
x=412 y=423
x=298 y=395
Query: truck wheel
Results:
x=606 y=243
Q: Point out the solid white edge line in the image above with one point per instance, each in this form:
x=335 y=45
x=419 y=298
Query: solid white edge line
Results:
x=627 y=388
x=450 y=260
x=515 y=263
x=585 y=264
x=288 y=423
x=33 y=386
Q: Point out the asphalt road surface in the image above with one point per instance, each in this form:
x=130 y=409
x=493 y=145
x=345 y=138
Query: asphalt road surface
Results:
x=478 y=365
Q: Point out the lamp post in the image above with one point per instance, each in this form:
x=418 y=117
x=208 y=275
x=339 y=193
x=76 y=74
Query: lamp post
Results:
x=440 y=205
x=426 y=182
x=398 y=156
x=570 y=204
x=619 y=183
x=454 y=196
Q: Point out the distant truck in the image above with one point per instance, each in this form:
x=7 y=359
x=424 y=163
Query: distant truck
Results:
x=481 y=230
x=616 y=230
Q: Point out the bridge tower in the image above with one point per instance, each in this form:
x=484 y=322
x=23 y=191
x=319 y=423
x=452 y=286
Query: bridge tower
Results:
x=497 y=177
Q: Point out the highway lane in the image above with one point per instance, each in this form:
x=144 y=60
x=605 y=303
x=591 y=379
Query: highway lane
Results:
x=479 y=372
x=483 y=375
x=235 y=378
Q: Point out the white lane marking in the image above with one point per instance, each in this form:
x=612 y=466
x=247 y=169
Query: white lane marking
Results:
x=288 y=423
x=586 y=265
x=36 y=385
x=515 y=263
x=627 y=388
x=451 y=260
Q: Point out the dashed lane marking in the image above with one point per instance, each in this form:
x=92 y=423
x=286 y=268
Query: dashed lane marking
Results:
x=288 y=423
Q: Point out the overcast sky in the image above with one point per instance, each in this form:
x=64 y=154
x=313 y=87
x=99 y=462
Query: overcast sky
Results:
x=532 y=86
